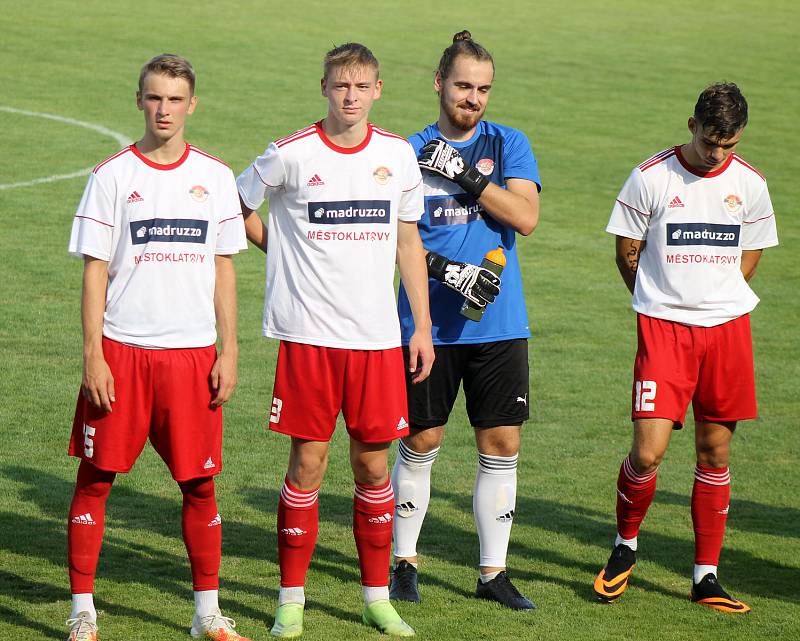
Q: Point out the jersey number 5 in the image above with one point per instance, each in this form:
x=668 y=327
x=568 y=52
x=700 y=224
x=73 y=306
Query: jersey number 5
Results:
x=645 y=396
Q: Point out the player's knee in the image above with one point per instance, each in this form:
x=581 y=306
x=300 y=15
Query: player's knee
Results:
x=645 y=461
x=202 y=488
x=424 y=441
x=714 y=457
x=306 y=472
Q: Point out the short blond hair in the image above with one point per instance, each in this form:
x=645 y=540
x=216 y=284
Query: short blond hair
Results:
x=348 y=56
x=171 y=65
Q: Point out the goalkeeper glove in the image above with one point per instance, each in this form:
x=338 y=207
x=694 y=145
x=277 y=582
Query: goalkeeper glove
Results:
x=477 y=284
x=440 y=158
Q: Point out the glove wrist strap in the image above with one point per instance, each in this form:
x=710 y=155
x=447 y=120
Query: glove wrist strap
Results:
x=473 y=182
x=436 y=265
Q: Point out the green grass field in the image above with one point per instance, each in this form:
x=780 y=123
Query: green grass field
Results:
x=597 y=87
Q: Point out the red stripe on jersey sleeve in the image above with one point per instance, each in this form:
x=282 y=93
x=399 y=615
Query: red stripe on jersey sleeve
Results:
x=741 y=161
x=93 y=220
x=656 y=161
x=203 y=153
x=750 y=222
x=110 y=158
x=633 y=208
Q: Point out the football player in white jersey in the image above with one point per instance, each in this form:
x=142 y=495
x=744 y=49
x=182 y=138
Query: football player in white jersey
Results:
x=344 y=199
x=156 y=227
x=691 y=223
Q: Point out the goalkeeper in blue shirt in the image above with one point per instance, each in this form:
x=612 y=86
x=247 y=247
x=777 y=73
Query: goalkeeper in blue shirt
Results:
x=481 y=190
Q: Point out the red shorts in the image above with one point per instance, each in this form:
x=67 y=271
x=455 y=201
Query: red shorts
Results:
x=161 y=393
x=710 y=366
x=313 y=383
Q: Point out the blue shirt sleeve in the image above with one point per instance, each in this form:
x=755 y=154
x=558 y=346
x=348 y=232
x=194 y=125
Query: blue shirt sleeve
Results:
x=519 y=161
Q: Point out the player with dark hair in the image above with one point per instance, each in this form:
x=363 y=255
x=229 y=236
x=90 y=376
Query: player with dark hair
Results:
x=481 y=190
x=157 y=225
x=344 y=198
x=690 y=223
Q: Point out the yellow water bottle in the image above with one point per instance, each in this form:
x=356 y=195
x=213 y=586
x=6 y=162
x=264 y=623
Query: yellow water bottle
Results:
x=494 y=261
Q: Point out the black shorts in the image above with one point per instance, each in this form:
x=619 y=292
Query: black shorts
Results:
x=495 y=377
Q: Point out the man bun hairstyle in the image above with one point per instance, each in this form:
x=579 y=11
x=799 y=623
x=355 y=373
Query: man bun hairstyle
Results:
x=721 y=110
x=169 y=64
x=349 y=55
x=463 y=45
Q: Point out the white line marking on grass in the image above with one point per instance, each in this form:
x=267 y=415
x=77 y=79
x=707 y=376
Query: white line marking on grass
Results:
x=121 y=139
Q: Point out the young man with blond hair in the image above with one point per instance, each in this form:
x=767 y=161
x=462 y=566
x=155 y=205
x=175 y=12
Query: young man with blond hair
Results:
x=344 y=198
x=156 y=227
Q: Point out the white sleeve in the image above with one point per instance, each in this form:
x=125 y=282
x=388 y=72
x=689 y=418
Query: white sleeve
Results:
x=266 y=174
x=93 y=225
x=231 y=237
x=758 y=227
x=630 y=216
x=412 y=200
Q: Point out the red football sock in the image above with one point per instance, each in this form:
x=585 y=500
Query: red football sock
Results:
x=202 y=532
x=298 y=525
x=85 y=526
x=635 y=492
x=710 y=499
x=373 y=508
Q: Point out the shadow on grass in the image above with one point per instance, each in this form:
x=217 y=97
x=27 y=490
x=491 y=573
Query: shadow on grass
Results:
x=142 y=561
x=748 y=516
x=742 y=570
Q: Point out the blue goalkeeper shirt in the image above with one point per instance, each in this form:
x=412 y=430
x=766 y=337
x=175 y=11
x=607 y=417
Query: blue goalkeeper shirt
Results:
x=456 y=226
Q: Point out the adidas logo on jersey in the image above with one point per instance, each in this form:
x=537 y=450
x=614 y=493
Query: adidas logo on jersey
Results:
x=84 y=519
x=406 y=509
x=384 y=518
x=293 y=531
x=315 y=181
x=507 y=517
x=217 y=520
x=208 y=464
x=134 y=197
x=401 y=424
x=675 y=202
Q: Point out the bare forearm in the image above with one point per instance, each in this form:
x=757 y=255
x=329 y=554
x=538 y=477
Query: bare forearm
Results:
x=516 y=207
x=93 y=305
x=628 y=252
x=225 y=304
x=254 y=227
x=414 y=274
x=750 y=258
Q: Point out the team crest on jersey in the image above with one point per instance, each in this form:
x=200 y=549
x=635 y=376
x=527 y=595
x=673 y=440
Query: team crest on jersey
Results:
x=485 y=166
x=382 y=175
x=733 y=203
x=199 y=193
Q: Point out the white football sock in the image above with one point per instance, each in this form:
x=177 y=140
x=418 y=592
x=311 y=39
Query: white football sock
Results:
x=372 y=593
x=83 y=603
x=411 y=480
x=631 y=543
x=206 y=602
x=701 y=570
x=292 y=595
x=493 y=504
x=485 y=578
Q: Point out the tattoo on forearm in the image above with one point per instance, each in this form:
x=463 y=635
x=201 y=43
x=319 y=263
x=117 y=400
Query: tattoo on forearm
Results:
x=632 y=256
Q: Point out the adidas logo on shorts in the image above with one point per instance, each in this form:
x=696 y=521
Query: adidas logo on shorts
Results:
x=401 y=424
x=293 y=531
x=84 y=519
x=385 y=518
x=208 y=464
x=217 y=520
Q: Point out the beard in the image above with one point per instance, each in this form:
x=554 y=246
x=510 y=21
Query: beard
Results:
x=464 y=121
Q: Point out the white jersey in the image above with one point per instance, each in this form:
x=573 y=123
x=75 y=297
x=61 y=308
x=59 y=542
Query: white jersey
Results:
x=332 y=235
x=159 y=228
x=696 y=225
